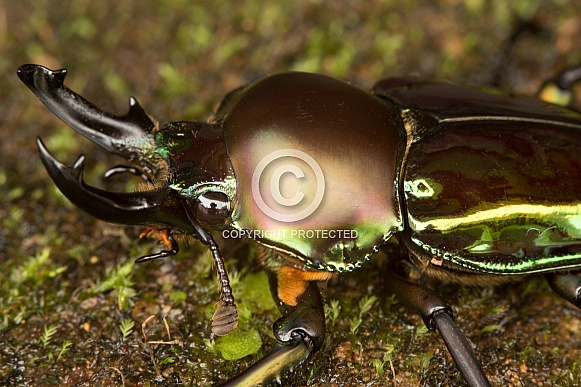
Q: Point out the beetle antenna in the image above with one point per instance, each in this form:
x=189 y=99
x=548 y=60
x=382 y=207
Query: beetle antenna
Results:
x=128 y=135
x=225 y=319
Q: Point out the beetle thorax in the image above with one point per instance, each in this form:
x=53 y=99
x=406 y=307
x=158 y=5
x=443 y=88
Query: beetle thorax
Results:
x=315 y=163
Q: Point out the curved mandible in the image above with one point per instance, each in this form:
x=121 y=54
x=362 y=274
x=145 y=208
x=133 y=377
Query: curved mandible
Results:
x=127 y=135
x=136 y=208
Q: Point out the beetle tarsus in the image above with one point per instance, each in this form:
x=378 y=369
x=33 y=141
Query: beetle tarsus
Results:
x=161 y=254
x=165 y=237
x=524 y=27
x=158 y=255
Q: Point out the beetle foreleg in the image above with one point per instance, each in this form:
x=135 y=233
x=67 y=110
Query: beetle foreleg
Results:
x=567 y=286
x=165 y=237
x=301 y=330
x=280 y=358
x=437 y=315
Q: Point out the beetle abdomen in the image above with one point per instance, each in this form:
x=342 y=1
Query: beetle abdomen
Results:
x=497 y=196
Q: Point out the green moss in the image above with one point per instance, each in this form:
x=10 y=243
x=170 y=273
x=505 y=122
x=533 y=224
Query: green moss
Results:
x=253 y=289
x=238 y=344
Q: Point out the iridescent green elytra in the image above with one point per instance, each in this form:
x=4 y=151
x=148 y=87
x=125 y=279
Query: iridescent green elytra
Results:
x=491 y=184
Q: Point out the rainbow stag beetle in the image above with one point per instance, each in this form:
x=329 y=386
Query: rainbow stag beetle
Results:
x=474 y=188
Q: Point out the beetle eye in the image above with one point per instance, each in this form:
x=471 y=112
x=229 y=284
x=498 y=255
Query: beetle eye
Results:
x=213 y=208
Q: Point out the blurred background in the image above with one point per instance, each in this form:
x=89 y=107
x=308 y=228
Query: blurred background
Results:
x=72 y=303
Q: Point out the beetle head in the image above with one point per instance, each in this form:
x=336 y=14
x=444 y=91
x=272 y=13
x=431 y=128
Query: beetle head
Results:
x=186 y=160
x=199 y=169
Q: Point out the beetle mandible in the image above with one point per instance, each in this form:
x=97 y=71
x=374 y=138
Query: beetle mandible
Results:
x=478 y=188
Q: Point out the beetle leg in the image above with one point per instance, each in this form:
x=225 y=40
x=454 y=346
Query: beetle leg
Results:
x=437 y=315
x=567 y=286
x=302 y=315
x=301 y=331
x=165 y=237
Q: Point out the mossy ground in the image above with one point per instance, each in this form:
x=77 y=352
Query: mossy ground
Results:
x=67 y=292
